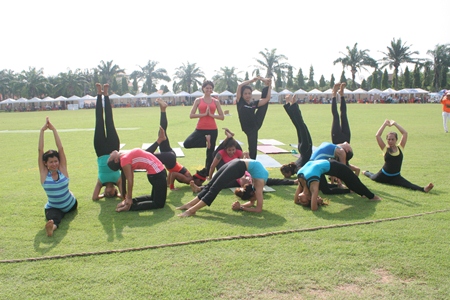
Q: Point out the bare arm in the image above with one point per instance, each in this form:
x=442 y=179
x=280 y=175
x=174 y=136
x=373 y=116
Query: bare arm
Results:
x=380 y=141
x=355 y=169
x=259 y=186
x=62 y=154
x=220 y=115
x=96 y=194
x=129 y=175
x=314 y=188
x=297 y=192
x=214 y=164
x=404 y=133
x=42 y=168
x=180 y=178
x=239 y=88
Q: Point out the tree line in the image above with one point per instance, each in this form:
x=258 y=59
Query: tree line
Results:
x=429 y=73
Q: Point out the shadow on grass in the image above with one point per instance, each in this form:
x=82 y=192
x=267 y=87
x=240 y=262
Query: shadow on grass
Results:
x=265 y=219
x=43 y=243
x=113 y=222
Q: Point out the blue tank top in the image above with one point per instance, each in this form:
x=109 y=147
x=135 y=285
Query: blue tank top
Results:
x=324 y=151
x=257 y=170
x=58 y=193
x=312 y=170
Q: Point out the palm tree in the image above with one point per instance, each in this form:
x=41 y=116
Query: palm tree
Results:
x=272 y=62
x=7 y=81
x=226 y=79
x=70 y=83
x=188 y=75
x=441 y=60
x=32 y=82
x=396 y=55
x=108 y=71
x=356 y=60
x=150 y=76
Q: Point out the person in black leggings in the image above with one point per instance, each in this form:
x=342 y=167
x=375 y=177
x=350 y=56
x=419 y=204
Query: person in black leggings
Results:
x=104 y=143
x=252 y=113
x=168 y=157
x=305 y=149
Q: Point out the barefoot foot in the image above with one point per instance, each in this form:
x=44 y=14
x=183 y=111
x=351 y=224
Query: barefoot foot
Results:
x=99 y=88
x=162 y=104
x=183 y=207
x=195 y=188
x=50 y=227
x=105 y=89
x=341 y=89
x=228 y=133
x=186 y=214
x=428 y=187
x=375 y=198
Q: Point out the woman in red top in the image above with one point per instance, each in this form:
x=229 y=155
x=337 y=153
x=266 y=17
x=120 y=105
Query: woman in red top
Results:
x=205 y=134
x=228 y=150
x=130 y=161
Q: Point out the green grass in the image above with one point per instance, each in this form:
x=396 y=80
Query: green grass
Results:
x=400 y=259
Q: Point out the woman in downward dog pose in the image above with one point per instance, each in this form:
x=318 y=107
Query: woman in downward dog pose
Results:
x=104 y=143
x=55 y=180
x=205 y=134
x=252 y=113
x=393 y=158
x=168 y=157
x=227 y=173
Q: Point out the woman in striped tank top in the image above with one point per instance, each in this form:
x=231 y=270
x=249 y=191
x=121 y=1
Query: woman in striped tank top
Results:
x=54 y=180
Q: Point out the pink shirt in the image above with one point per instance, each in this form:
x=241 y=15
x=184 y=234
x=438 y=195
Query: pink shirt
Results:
x=226 y=158
x=206 y=123
x=140 y=159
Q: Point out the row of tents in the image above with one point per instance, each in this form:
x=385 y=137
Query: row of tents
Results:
x=222 y=95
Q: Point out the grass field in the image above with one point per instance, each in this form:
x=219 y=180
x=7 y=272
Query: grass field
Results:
x=356 y=249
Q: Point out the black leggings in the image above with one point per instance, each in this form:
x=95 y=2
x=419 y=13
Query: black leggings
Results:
x=340 y=131
x=197 y=140
x=397 y=180
x=56 y=214
x=105 y=143
x=166 y=155
x=303 y=136
x=157 y=198
x=252 y=133
x=227 y=173
x=352 y=181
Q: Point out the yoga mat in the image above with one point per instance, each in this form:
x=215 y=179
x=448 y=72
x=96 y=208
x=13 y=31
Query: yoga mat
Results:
x=270 y=142
x=270 y=149
x=267 y=161
x=296 y=147
x=181 y=144
x=121 y=146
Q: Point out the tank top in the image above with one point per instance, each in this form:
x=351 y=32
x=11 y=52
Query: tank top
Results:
x=58 y=194
x=207 y=122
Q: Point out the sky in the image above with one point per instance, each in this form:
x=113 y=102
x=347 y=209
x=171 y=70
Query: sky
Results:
x=58 y=36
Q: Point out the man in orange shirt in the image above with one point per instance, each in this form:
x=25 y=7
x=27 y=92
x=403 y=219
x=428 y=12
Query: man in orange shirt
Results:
x=445 y=101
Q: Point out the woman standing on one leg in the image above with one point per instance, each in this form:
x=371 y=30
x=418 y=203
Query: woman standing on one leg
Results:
x=205 y=134
x=393 y=158
x=104 y=144
x=55 y=180
x=252 y=113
